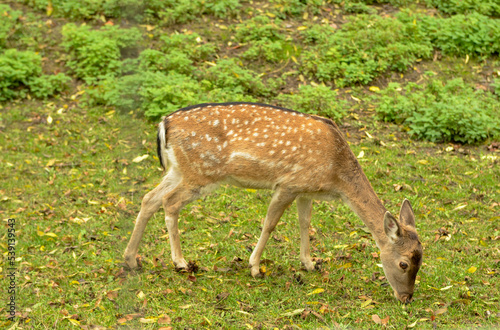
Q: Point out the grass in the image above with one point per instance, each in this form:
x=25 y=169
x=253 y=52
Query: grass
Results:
x=73 y=172
x=70 y=182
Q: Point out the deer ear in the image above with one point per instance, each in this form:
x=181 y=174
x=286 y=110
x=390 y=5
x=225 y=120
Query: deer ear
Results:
x=391 y=227
x=406 y=214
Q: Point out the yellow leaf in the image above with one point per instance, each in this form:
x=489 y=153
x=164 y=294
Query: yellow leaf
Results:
x=423 y=162
x=143 y=320
x=374 y=89
x=316 y=291
x=40 y=233
x=472 y=269
x=74 y=322
x=366 y=303
x=251 y=190
x=294 y=59
x=139 y=159
x=302 y=28
x=51 y=162
x=141 y=295
x=270 y=15
x=51 y=235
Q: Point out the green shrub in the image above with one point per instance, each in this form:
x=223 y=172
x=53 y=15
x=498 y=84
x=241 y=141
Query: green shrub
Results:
x=192 y=45
x=318 y=100
x=442 y=112
x=265 y=40
x=182 y=11
x=94 y=54
x=464 y=34
x=9 y=23
x=296 y=7
x=49 y=85
x=21 y=71
x=17 y=68
x=229 y=74
x=365 y=47
x=490 y=7
x=175 y=60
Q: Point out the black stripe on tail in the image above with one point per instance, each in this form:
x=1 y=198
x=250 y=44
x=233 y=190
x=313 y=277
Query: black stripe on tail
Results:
x=158 y=144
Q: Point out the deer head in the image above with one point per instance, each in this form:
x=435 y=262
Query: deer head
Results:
x=402 y=254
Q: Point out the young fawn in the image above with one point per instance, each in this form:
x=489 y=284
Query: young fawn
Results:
x=301 y=157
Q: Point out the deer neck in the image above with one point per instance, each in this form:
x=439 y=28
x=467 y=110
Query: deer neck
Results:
x=365 y=203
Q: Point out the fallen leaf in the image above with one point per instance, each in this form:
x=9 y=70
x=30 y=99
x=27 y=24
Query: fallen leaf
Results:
x=376 y=319
x=293 y=313
x=316 y=291
x=139 y=159
x=165 y=319
x=470 y=270
x=441 y=311
x=374 y=89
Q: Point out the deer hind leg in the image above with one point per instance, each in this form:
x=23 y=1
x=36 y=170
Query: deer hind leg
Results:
x=280 y=201
x=150 y=204
x=304 y=208
x=173 y=203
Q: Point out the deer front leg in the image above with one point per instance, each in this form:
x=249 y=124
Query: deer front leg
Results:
x=150 y=204
x=304 y=208
x=278 y=204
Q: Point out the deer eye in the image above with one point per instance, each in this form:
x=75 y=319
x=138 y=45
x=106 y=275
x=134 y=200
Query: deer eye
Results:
x=403 y=265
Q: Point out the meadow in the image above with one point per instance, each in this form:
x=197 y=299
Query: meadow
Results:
x=414 y=85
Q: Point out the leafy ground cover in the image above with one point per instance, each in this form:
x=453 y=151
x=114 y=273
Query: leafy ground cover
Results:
x=77 y=154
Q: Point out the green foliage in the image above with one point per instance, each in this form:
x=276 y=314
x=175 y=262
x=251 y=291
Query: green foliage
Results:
x=363 y=48
x=265 y=40
x=442 y=112
x=182 y=11
x=192 y=45
x=94 y=54
x=229 y=74
x=9 y=23
x=464 y=34
x=49 y=85
x=490 y=7
x=318 y=100
x=17 y=68
x=21 y=71
x=297 y=7
x=175 y=60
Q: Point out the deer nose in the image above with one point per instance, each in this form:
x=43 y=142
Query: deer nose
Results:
x=409 y=298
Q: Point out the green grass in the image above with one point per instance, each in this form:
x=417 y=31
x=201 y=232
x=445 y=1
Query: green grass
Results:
x=74 y=190
x=69 y=179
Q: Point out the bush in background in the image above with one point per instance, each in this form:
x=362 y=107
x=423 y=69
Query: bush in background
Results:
x=317 y=100
x=441 y=112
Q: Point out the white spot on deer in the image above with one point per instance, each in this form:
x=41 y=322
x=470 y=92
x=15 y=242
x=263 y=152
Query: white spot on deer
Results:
x=265 y=130
x=193 y=133
x=281 y=142
x=186 y=118
x=283 y=152
x=225 y=127
x=253 y=106
x=300 y=139
x=219 y=148
x=319 y=130
x=230 y=133
x=240 y=138
x=310 y=151
x=294 y=148
x=271 y=152
x=246 y=122
x=209 y=138
x=266 y=136
x=224 y=144
x=195 y=144
x=288 y=143
x=283 y=134
x=216 y=122
x=216 y=139
x=256 y=134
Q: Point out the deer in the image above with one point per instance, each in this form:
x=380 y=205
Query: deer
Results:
x=301 y=157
